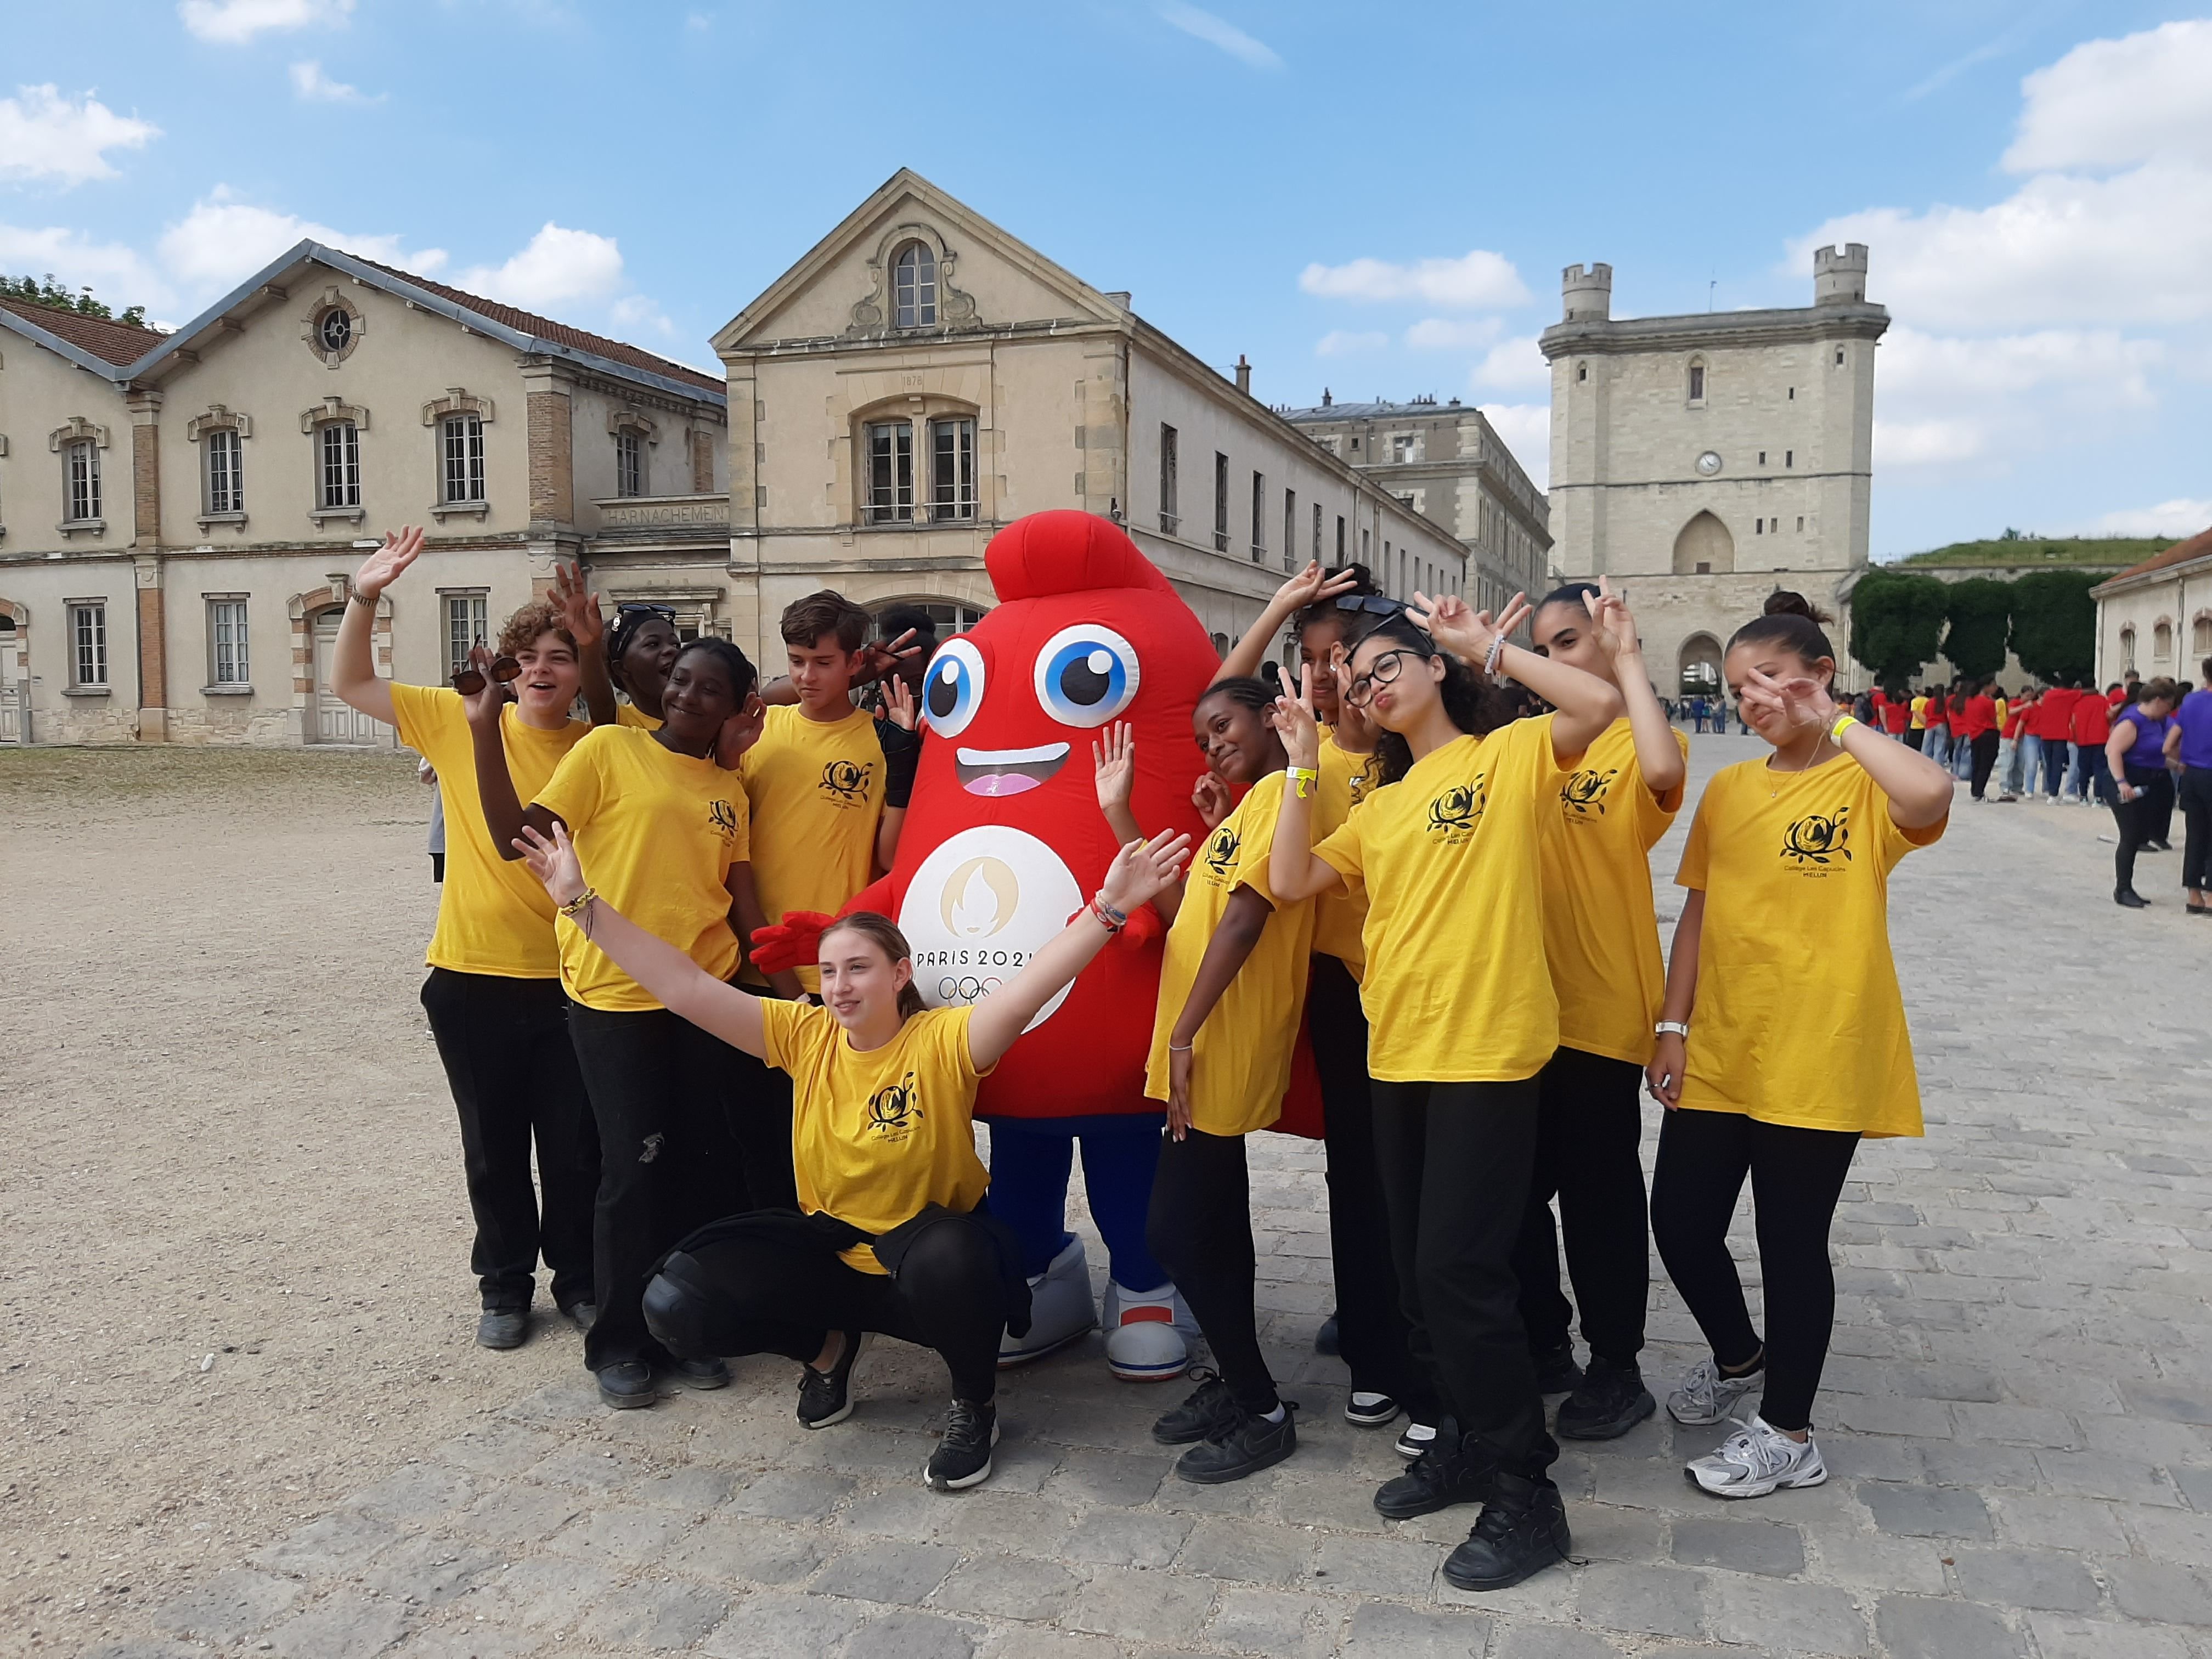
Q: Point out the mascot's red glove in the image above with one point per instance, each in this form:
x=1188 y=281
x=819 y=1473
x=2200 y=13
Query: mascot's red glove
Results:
x=794 y=942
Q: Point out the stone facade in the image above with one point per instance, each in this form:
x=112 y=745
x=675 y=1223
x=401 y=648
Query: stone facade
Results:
x=1704 y=461
x=2156 y=617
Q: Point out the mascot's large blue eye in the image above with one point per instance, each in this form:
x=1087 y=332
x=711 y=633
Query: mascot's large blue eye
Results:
x=954 y=690
x=1085 y=675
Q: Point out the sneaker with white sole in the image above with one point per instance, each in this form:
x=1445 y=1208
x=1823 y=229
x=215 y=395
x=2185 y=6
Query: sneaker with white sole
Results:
x=1149 y=1333
x=1756 y=1460
x=1364 y=1409
x=1414 y=1440
x=1707 y=1396
x=963 y=1457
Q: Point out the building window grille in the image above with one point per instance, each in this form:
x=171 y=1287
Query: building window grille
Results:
x=88 y=646
x=629 y=462
x=464 y=627
x=1317 y=541
x=890 y=472
x=227 y=664
x=339 y=447
x=1259 y=517
x=1170 y=519
x=226 y=491
x=1340 y=538
x=914 y=287
x=1220 y=502
x=81 y=484
x=462 y=458
x=952 y=469
x=1290 y=529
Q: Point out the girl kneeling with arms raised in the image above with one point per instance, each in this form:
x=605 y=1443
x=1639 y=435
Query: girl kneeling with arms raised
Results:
x=892 y=1237
x=1782 y=1040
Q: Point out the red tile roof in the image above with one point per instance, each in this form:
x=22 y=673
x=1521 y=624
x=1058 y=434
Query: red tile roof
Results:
x=545 y=328
x=112 y=342
x=2180 y=553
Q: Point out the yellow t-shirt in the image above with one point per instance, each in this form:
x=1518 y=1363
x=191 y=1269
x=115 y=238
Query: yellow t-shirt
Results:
x=656 y=833
x=1241 y=1057
x=875 y=1136
x=628 y=714
x=1798 y=1018
x=1450 y=858
x=494 y=917
x=1919 y=714
x=816 y=789
x=1346 y=778
x=1600 y=932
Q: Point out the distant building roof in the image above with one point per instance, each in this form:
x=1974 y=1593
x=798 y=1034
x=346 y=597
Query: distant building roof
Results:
x=1373 y=411
x=2197 y=547
x=110 y=342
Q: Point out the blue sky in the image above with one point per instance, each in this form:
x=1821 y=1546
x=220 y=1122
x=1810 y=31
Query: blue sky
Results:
x=1374 y=200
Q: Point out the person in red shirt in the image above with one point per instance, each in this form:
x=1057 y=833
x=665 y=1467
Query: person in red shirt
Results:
x=1980 y=718
x=2054 y=715
x=1896 y=713
x=2089 y=726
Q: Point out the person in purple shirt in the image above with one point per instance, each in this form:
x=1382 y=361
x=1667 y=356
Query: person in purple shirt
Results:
x=2137 y=754
x=2189 y=740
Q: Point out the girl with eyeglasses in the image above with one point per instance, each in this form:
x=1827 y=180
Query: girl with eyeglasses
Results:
x=493 y=994
x=1461 y=1018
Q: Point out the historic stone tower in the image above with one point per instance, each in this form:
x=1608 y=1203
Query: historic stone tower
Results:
x=1704 y=461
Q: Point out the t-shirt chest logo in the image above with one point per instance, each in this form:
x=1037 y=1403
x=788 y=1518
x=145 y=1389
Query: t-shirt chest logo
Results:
x=723 y=817
x=1221 y=849
x=893 y=1109
x=1582 y=797
x=1454 y=811
x=1819 y=840
x=846 y=782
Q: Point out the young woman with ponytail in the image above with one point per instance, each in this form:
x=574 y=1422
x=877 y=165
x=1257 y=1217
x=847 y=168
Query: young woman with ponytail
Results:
x=1782 y=1041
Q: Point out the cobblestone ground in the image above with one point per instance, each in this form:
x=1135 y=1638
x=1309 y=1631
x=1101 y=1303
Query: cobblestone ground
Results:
x=2017 y=1415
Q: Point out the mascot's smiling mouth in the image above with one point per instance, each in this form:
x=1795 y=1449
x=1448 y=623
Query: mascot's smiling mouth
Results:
x=1007 y=771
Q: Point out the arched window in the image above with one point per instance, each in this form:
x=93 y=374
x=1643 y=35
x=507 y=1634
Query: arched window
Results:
x=2127 y=649
x=1704 y=548
x=914 y=287
x=1697 y=380
x=2161 y=642
x=2200 y=635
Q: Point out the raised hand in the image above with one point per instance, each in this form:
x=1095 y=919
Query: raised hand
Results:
x=1615 y=632
x=1311 y=586
x=1143 y=868
x=899 y=705
x=1296 y=725
x=553 y=861
x=483 y=705
x=879 y=659
x=1467 y=633
x=389 y=562
x=1801 y=701
x=1114 y=767
x=1211 y=796
x=739 y=732
x=579 y=606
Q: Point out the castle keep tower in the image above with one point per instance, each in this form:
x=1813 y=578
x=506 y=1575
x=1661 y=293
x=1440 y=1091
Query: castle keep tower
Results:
x=1703 y=461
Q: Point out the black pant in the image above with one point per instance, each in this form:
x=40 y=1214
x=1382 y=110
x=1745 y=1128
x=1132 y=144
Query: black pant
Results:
x=2056 y=757
x=1986 y=758
x=748 y=1295
x=1199 y=1228
x=1796 y=1176
x=2196 y=792
x=2134 y=818
x=1456 y=1159
x=681 y=1144
x=1916 y=737
x=504 y=1043
x=2158 y=822
x=1372 y=1335
x=1590 y=1127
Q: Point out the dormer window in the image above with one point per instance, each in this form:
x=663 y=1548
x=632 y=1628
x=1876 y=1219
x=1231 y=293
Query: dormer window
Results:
x=914 y=287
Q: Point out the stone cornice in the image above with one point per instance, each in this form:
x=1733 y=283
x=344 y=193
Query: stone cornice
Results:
x=1718 y=330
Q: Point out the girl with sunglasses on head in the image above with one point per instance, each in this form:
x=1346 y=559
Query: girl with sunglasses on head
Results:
x=1782 y=1040
x=1326 y=612
x=887 y=1232
x=493 y=994
x=662 y=830
x=1461 y=1017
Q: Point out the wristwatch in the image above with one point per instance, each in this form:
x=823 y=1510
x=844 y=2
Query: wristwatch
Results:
x=1670 y=1027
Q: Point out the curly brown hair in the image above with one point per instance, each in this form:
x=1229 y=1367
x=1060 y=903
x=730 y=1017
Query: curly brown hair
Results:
x=523 y=628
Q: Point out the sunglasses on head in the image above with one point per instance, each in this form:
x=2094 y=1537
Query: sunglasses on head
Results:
x=1379 y=605
x=666 y=612
x=468 y=680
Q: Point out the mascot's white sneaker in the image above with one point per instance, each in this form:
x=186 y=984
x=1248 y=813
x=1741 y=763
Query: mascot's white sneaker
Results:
x=1061 y=1310
x=1148 y=1333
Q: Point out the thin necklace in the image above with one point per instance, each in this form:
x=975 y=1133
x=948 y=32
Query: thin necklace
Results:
x=1775 y=774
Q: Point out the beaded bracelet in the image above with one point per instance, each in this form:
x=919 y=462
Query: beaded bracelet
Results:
x=576 y=906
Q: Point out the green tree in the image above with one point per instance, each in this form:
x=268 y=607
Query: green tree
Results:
x=1897 y=622
x=55 y=297
x=1980 y=612
x=2054 y=624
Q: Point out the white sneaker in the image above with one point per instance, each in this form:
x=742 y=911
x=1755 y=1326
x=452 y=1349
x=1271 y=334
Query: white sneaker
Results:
x=1706 y=1396
x=1145 y=1339
x=1756 y=1460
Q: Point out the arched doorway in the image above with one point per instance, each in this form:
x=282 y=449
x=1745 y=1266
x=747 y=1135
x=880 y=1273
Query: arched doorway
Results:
x=1700 y=657
x=1705 y=548
x=15 y=673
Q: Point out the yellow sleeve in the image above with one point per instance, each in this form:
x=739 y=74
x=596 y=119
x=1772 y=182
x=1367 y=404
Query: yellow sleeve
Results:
x=420 y=717
x=1655 y=814
x=574 y=793
x=1341 y=850
x=784 y=1031
x=1697 y=854
x=950 y=1043
x=1895 y=839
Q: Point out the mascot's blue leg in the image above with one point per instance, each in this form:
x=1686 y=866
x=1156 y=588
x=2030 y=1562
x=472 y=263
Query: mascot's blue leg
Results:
x=1030 y=1158
x=1149 y=1329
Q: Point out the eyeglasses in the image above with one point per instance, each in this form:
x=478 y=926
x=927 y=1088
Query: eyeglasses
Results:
x=469 y=680
x=1387 y=668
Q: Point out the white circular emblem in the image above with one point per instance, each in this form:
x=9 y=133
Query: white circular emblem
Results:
x=979 y=908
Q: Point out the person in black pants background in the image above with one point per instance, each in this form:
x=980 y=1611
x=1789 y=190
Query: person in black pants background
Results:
x=2188 y=743
x=2135 y=752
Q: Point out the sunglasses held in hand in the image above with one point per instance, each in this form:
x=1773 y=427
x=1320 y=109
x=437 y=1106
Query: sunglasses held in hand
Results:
x=469 y=680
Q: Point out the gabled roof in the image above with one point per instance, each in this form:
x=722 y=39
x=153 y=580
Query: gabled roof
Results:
x=2199 y=546
x=99 y=344
x=523 y=331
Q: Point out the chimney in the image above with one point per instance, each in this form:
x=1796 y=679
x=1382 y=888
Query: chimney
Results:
x=1326 y=400
x=1243 y=375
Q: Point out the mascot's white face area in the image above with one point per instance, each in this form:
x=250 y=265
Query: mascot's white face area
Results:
x=1083 y=676
x=979 y=907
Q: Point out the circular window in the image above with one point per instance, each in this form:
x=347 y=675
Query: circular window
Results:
x=335 y=330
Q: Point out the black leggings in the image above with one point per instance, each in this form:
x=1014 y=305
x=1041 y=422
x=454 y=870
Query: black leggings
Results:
x=1985 y=756
x=753 y=1295
x=2135 y=818
x=1199 y=1227
x=2196 y=790
x=1796 y=1176
x=1587 y=1153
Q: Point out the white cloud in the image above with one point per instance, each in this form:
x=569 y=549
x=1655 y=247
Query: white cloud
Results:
x=234 y=22
x=117 y=274
x=1947 y=400
x=635 y=311
x=44 y=134
x=309 y=81
x=223 y=241
x=2178 y=519
x=1527 y=431
x=557 y=267
x=1345 y=343
x=1514 y=365
x=1475 y=280
x=2114 y=103
x=1440 y=334
x=1218 y=32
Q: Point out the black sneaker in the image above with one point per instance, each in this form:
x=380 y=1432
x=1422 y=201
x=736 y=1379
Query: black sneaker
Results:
x=503 y=1327
x=1414 y=1438
x=963 y=1457
x=627 y=1384
x=1438 y=1479
x=1240 y=1448
x=701 y=1373
x=1366 y=1410
x=1327 y=1339
x=1210 y=1407
x=1556 y=1370
x=826 y=1397
x=581 y=1314
x=1523 y=1529
x=1611 y=1402
x=2130 y=898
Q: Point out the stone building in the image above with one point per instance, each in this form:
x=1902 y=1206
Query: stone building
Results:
x=1703 y=461
x=1447 y=462
x=2156 y=617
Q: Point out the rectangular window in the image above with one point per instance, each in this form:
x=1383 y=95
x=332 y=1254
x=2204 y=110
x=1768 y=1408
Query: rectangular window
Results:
x=1800 y=520
x=1170 y=519
x=1402 y=447
x=890 y=472
x=462 y=472
x=226 y=491
x=226 y=659
x=464 y=627
x=629 y=462
x=1757 y=526
x=1340 y=538
x=81 y=485
x=1220 y=502
x=1290 y=529
x=88 y=645
x=1789 y=458
x=951 y=470
x=339 y=444
x=1762 y=457
x=1317 y=552
x=1697 y=388
x=1259 y=517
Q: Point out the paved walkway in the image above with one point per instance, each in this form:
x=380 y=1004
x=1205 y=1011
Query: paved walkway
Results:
x=2017 y=1415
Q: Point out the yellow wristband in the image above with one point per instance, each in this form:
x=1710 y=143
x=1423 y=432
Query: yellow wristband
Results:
x=1843 y=723
x=1302 y=778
